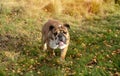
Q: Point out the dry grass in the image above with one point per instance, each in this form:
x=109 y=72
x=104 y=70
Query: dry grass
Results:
x=76 y=8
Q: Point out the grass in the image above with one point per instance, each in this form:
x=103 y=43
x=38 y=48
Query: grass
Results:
x=94 y=47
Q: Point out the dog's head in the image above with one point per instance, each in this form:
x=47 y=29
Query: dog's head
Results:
x=59 y=35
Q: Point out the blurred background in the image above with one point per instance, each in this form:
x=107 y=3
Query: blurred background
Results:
x=75 y=8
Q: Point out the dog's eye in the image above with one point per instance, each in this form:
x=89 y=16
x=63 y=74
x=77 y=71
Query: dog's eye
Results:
x=55 y=33
x=64 y=32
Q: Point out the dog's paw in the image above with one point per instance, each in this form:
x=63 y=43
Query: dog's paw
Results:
x=60 y=61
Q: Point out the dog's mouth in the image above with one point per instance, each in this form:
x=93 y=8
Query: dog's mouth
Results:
x=61 y=43
x=57 y=44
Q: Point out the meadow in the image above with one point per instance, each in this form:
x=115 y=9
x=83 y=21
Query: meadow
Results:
x=95 y=38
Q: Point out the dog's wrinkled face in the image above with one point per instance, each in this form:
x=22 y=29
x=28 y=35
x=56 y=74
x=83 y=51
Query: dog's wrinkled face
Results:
x=59 y=36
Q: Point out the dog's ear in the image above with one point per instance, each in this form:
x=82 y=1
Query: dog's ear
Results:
x=51 y=27
x=67 y=25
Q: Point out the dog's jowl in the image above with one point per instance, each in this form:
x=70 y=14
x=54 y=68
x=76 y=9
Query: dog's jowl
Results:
x=55 y=35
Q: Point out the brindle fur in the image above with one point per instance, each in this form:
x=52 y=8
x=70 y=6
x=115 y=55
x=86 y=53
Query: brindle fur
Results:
x=48 y=34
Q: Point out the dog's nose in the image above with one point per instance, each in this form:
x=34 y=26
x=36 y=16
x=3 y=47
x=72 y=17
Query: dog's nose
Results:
x=60 y=37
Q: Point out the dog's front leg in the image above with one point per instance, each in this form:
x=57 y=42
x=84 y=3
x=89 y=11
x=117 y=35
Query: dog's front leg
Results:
x=51 y=51
x=63 y=53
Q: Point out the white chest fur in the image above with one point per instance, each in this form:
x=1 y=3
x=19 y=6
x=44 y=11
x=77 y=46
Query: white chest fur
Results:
x=54 y=44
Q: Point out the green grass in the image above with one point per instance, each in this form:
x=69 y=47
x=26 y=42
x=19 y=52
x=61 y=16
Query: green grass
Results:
x=94 y=48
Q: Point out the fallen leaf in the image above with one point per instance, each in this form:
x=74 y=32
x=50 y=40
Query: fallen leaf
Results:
x=92 y=63
x=116 y=74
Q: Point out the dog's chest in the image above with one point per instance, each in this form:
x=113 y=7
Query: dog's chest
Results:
x=52 y=44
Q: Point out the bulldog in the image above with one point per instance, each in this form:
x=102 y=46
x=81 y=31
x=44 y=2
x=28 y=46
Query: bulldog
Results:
x=55 y=35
